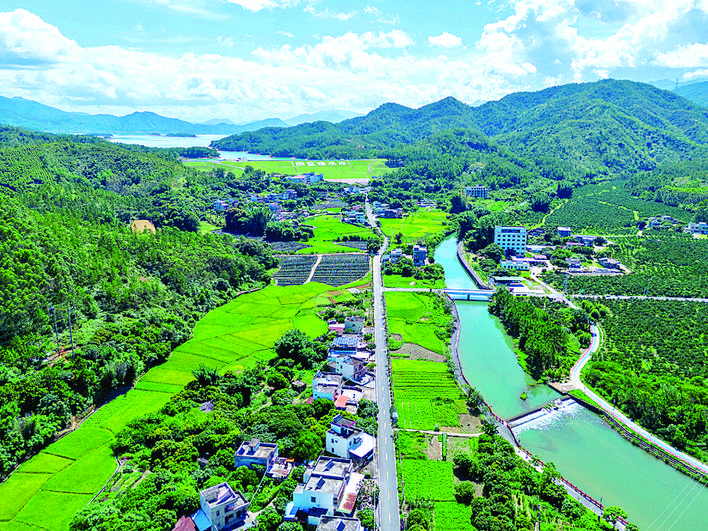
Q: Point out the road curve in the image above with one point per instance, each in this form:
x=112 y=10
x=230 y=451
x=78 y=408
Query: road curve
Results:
x=615 y=413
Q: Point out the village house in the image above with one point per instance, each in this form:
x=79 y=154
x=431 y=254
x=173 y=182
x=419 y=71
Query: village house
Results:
x=354 y=324
x=330 y=488
x=326 y=385
x=255 y=452
x=343 y=439
x=337 y=523
x=222 y=508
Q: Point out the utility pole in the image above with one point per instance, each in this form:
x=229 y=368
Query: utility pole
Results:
x=71 y=335
x=56 y=332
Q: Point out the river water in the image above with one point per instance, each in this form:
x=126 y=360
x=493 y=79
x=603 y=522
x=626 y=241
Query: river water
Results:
x=585 y=450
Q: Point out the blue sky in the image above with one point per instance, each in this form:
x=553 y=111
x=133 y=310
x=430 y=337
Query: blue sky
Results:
x=252 y=59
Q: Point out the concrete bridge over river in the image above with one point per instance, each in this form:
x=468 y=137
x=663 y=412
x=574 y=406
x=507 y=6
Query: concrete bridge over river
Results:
x=469 y=294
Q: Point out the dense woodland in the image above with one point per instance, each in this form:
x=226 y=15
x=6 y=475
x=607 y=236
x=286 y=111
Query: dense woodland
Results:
x=549 y=334
x=65 y=243
x=654 y=366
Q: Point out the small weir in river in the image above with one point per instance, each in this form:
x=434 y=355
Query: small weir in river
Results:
x=581 y=445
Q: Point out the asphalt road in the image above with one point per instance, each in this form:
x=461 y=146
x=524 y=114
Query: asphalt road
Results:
x=616 y=413
x=388 y=510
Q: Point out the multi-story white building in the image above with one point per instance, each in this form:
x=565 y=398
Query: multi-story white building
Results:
x=328 y=489
x=511 y=239
x=343 y=439
x=223 y=506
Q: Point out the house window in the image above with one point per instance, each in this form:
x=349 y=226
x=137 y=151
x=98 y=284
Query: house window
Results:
x=313 y=499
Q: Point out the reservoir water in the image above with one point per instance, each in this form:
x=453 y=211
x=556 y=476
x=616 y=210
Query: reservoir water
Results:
x=584 y=449
x=162 y=141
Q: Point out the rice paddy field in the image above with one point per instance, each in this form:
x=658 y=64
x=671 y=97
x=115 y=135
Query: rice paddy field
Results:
x=333 y=170
x=46 y=491
x=412 y=315
x=426 y=396
x=428 y=479
x=327 y=230
x=416 y=225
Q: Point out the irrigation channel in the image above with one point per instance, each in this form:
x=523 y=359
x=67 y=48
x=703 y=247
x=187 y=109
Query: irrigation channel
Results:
x=583 y=447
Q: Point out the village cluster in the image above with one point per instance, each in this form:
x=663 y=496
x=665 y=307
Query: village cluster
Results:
x=327 y=496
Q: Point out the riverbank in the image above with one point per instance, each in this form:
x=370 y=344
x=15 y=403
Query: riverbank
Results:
x=579 y=442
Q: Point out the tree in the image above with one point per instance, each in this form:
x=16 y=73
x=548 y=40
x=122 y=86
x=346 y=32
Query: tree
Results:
x=540 y=202
x=206 y=376
x=612 y=514
x=418 y=517
x=489 y=428
x=269 y=520
x=307 y=446
x=464 y=492
x=297 y=346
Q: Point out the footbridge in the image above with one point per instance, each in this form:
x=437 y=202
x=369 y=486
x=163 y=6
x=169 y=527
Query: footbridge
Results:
x=469 y=294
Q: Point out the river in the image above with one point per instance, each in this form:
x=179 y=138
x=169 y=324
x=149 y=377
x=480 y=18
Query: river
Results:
x=586 y=451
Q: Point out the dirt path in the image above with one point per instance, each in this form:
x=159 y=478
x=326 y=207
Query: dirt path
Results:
x=314 y=268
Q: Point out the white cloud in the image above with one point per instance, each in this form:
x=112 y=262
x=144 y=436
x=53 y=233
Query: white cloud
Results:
x=227 y=42
x=26 y=40
x=257 y=5
x=380 y=17
x=285 y=34
x=689 y=56
x=445 y=40
x=328 y=14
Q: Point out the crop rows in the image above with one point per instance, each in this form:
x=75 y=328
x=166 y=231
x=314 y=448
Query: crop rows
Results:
x=337 y=270
x=294 y=270
x=287 y=247
x=361 y=245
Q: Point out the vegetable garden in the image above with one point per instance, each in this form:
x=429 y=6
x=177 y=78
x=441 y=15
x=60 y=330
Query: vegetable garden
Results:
x=294 y=270
x=338 y=270
x=426 y=396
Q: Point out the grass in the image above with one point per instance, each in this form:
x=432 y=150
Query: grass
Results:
x=426 y=395
x=416 y=225
x=415 y=318
x=206 y=228
x=452 y=516
x=328 y=229
x=361 y=170
x=411 y=444
x=399 y=281
x=80 y=463
x=428 y=479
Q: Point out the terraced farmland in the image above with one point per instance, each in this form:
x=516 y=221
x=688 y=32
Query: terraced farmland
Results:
x=294 y=270
x=45 y=492
x=338 y=270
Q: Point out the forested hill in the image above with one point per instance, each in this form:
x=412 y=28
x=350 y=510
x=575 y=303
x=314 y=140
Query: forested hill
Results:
x=607 y=125
x=66 y=204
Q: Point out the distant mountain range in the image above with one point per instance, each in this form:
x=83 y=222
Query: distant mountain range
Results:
x=696 y=92
x=20 y=112
x=606 y=125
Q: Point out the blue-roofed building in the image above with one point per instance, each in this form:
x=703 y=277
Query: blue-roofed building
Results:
x=345 y=344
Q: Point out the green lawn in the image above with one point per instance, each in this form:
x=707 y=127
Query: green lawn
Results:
x=413 y=317
x=416 y=225
x=328 y=229
x=80 y=463
x=426 y=396
x=399 y=281
x=332 y=170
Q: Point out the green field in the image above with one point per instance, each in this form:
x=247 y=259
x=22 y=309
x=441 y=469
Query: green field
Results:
x=361 y=170
x=413 y=316
x=399 y=281
x=426 y=396
x=452 y=516
x=46 y=491
x=416 y=225
x=328 y=229
x=428 y=479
